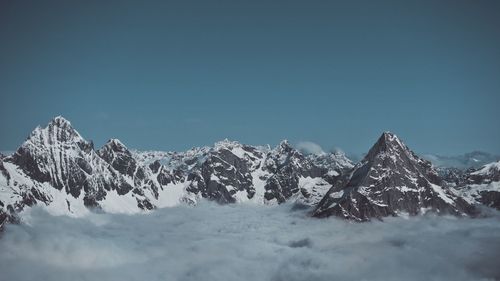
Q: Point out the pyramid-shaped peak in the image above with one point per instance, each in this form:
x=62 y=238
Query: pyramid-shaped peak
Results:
x=57 y=130
x=390 y=138
x=387 y=142
x=63 y=126
x=115 y=149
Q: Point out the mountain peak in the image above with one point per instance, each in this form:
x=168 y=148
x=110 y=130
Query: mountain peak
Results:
x=112 y=148
x=487 y=169
x=115 y=144
x=60 y=121
x=390 y=137
x=58 y=130
x=391 y=179
x=284 y=144
x=389 y=143
x=226 y=143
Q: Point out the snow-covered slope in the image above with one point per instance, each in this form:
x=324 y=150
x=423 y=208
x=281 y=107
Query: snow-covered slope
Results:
x=60 y=170
x=482 y=186
x=390 y=180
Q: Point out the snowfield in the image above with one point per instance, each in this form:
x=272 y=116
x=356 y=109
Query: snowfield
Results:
x=247 y=242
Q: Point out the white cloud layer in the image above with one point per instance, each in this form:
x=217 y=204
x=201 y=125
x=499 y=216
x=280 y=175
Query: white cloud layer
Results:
x=240 y=242
x=310 y=147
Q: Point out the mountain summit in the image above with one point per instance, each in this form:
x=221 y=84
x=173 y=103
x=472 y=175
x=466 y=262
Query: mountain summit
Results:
x=389 y=181
x=57 y=169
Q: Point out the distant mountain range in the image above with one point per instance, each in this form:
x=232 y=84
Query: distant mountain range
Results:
x=59 y=170
x=473 y=159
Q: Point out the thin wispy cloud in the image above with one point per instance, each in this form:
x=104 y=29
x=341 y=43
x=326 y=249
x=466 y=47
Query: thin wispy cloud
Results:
x=310 y=147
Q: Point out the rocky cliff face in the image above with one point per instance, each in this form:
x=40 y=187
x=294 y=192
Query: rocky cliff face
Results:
x=390 y=180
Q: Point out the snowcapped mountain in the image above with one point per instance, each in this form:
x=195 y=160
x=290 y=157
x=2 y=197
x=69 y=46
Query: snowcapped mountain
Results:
x=389 y=181
x=336 y=162
x=482 y=185
x=58 y=169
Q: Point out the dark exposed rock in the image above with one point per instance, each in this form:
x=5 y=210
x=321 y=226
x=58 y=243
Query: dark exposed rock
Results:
x=119 y=157
x=390 y=180
x=4 y=171
x=222 y=173
x=490 y=198
x=7 y=217
x=286 y=165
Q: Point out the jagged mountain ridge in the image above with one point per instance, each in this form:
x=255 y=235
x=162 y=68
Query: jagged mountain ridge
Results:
x=57 y=168
x=481 y=185
x=389 y=181
x=474 y=160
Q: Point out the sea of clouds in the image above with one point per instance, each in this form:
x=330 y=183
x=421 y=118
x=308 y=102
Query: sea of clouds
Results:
x=243 y=242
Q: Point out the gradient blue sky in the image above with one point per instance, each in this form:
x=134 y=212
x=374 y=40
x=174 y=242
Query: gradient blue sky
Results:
x=172 y=75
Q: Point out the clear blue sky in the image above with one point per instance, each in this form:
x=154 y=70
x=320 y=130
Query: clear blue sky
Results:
x=172 y=75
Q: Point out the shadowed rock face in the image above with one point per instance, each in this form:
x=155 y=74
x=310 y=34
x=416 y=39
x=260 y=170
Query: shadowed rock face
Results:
x=232 y=168
x=3 y=171
x=120 y=158
x=390 y=180
x=222 y=173
x=287 y=165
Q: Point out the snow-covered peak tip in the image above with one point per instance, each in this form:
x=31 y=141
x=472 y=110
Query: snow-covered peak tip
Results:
x=488 y=169
x=387 y=142
x=389 y=137
x=60 y=122
x=226 y=143
x=115 y=144
x=57 y=130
